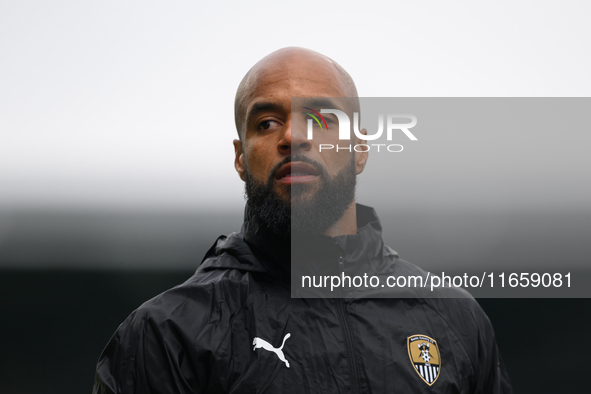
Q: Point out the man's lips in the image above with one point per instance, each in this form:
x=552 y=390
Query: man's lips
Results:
x=296 y=172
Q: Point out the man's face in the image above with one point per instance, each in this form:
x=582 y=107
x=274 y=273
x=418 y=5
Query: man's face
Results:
x=274 y=152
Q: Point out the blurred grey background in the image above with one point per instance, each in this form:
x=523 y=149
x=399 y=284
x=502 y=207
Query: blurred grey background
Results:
x=110 y=192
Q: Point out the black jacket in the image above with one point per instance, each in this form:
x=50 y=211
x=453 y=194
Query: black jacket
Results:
x=234 y=328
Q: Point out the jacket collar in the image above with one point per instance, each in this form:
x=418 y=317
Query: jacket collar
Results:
x=276 y=254
x=367 y=244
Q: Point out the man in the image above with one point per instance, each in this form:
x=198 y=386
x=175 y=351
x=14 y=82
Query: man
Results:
x=234 y=327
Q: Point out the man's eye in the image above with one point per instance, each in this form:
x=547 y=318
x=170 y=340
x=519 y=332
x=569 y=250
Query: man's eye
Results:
x=268 y=125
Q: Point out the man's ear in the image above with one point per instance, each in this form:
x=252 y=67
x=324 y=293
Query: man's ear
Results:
x=239 y=158
x=360 y=157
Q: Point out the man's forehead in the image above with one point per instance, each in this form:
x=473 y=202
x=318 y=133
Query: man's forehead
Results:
x=297 y=74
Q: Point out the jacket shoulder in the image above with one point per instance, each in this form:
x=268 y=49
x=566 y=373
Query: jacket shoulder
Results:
x=174 y=336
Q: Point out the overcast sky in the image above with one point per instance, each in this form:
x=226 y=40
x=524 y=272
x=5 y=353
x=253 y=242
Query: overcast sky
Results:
x=107 y=104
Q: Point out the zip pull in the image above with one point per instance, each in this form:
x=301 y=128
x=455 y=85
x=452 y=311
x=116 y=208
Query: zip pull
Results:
x=341 y=264
x=342 y=272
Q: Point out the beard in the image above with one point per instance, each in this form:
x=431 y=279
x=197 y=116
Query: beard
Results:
x=301 y=211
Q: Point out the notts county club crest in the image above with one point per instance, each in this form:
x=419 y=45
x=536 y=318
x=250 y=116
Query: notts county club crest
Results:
x=424 y=356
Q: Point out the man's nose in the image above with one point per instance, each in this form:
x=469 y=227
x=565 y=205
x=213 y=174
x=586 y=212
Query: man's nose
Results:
x=294 y=139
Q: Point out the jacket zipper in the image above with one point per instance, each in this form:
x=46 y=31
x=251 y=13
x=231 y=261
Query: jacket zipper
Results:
x=344 y=318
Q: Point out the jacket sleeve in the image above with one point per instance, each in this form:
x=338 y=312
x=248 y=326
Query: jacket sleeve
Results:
x=146 y=355
x=492 y=377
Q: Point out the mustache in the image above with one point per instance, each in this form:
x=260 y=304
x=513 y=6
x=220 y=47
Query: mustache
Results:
x=302 y=158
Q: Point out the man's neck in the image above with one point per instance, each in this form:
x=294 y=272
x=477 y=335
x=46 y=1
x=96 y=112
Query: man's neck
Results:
x=347 y=224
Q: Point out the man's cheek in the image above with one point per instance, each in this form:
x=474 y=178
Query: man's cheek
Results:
x=335 y=162
x=254 y=163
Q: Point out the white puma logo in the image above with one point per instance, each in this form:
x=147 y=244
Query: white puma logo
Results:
x=259 y=342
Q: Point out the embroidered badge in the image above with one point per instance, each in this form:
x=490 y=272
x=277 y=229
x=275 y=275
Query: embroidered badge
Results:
x=424 y=356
